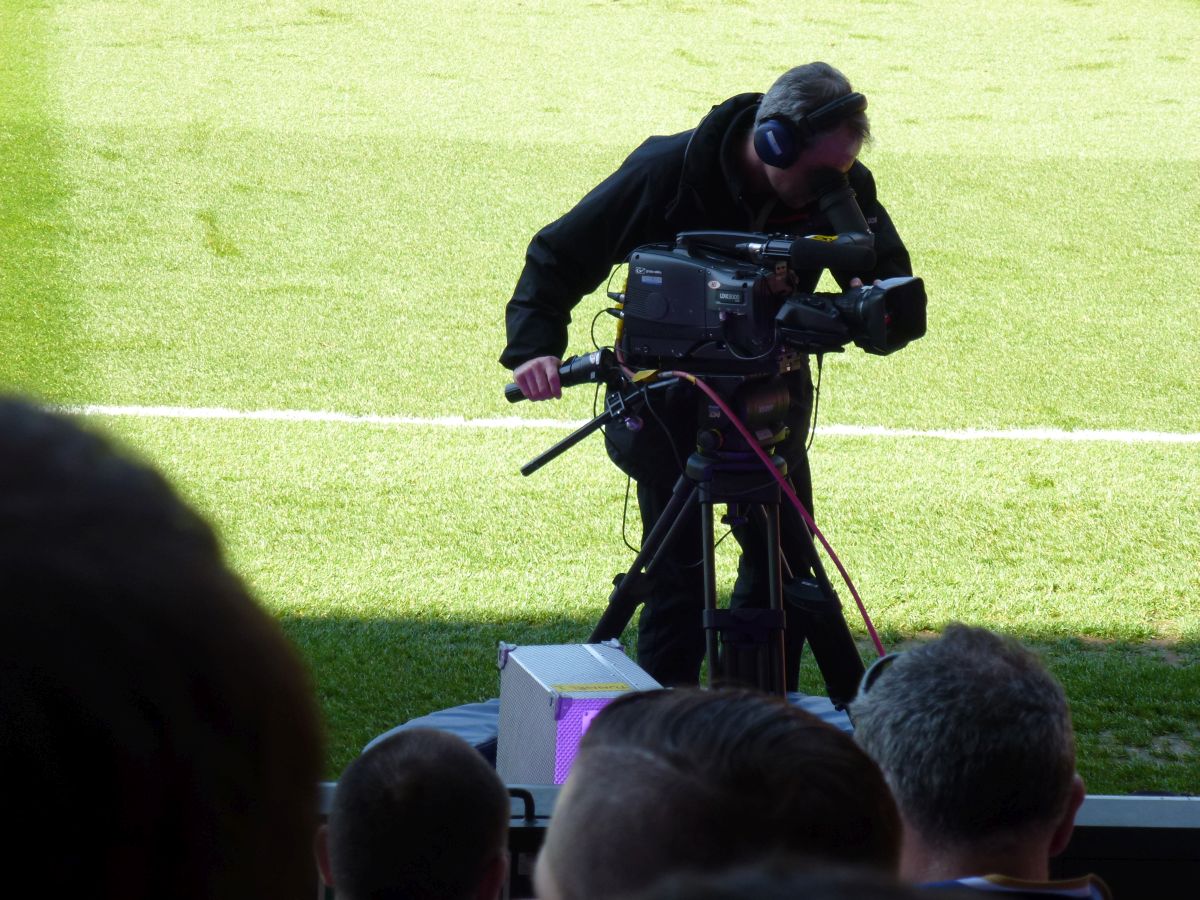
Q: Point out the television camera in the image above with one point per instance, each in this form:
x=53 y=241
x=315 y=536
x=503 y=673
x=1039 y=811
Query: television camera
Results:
x=723 y=309
x=719 y=302
x=724 y=302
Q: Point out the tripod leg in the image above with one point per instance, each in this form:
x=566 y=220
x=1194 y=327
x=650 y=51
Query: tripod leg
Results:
x=710 y=592
x=784 y=568
x=752 y=648
x=766 y=527
x=776 y=656
x=626 y=596
x=818 y=611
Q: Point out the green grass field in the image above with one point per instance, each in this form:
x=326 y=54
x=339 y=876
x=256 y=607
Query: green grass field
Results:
x=292 y=206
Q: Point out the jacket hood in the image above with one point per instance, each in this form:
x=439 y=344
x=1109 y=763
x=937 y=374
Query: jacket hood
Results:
x=703 y=157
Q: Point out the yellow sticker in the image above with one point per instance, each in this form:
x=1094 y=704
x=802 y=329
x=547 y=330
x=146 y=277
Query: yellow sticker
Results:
x=594 y=686
x=829 y=238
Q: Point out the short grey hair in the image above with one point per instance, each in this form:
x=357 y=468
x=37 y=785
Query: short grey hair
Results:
x=973 y=735
x=807 y=88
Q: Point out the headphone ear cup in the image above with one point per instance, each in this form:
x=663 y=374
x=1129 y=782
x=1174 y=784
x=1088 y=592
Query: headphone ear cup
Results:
x=775 y=143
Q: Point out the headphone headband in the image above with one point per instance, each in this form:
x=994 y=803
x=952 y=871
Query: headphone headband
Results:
x=831 y=113
x=778 y=140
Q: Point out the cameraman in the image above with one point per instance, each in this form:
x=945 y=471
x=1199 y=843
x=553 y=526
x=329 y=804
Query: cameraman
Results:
x=713 y=177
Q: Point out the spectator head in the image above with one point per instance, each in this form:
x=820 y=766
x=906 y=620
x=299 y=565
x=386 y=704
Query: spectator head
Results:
x=974 y=736
x=420 y=816
x=785 y=878
x=672 y=780
x=160 y=737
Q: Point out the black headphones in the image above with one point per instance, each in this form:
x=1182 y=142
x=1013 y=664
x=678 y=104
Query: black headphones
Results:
x=778 y=140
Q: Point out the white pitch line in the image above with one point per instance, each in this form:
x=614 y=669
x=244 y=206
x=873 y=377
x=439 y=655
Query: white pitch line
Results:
x=303 y=415
x=516 y=422
x=1015 y=434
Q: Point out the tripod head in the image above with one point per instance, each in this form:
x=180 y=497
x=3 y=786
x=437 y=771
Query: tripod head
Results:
x=761 y=403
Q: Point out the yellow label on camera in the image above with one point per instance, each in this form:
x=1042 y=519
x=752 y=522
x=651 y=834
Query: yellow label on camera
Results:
x=594 y=686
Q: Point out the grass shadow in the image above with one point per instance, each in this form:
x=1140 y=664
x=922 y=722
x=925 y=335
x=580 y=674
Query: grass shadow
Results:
x=373 y=674
x=1135 y=705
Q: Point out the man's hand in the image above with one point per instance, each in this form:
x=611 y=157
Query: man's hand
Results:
x=538 y=378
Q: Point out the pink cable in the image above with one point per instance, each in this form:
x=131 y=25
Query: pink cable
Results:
x=791 y=495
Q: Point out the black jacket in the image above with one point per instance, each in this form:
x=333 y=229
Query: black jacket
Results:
x=682 y=182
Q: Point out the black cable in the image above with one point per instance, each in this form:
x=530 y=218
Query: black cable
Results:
x=629 y=480
x=812 y=432
x=679 y=462
x=766 y=353
x=592 y=330
x=625 y=515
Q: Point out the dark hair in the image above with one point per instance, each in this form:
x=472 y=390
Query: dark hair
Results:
x=418 y=816
x=807 y=88
x=160 y=736
x=973 y=734
x=681 y=779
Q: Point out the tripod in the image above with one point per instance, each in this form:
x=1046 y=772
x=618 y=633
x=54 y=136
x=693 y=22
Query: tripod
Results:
x=747 y=645
x=761 y=645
